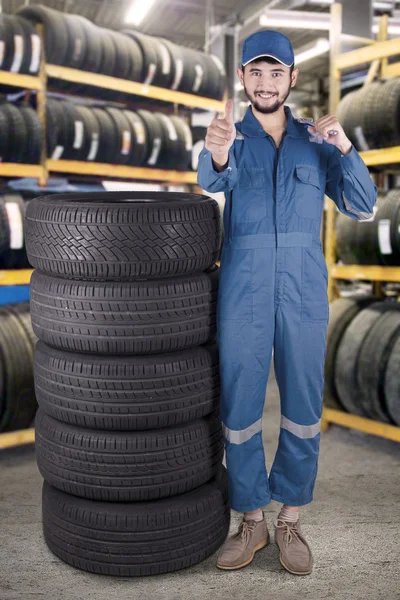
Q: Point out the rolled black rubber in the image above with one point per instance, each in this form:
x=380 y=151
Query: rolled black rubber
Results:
x=132 y=393
x=110 y=318
x=18 y=403
x=128 y=466
x=147 y=538
x=34 y=136
x=109 y=142
x=155 y=138
x=119 y=236
x=341 y=312
x=55 y=31
x=140 y=141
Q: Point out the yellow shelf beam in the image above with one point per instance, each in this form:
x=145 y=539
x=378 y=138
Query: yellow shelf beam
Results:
x=366 y=54
x=384 y=156
x=133 y=87
x=120 y=171
x=24 y=81
x=16 y=277
x=20 y=170
x=17 y=438
x=368 y=272
x=389 y=432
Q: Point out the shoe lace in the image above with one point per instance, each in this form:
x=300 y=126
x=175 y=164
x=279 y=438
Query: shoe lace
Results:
x=290 y=529
x=245 y=529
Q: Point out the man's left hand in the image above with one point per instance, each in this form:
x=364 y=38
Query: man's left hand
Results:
x=328 y=123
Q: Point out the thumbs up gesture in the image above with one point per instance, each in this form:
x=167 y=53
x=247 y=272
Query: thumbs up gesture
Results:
x=220 y=135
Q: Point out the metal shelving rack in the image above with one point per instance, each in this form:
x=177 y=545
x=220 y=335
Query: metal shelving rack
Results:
x=376 y=53
x=47 y=166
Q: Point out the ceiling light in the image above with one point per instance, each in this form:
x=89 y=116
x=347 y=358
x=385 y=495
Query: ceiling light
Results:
x=138 y=11
x=322 y=45
x=295 y=19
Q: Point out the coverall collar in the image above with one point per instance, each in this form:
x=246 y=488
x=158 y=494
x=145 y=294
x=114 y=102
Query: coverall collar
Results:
x=251 y=127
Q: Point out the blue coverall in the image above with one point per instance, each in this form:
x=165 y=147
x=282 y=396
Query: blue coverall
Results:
x=273 y=295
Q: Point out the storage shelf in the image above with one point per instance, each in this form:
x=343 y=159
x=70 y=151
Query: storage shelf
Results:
x=20 y=170
x=389 y=432
x=120 y=171
x=133 y=87
x=16 y=277
x=384 y=156
x=17 y=438
x=24 y=81
x=369 y=272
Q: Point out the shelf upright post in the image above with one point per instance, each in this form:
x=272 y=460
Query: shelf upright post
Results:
x=41 y=106
x=334 y=98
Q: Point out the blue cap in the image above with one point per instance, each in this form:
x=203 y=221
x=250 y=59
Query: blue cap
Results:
x=268 y=43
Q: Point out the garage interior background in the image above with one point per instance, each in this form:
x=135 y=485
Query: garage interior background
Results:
x=117 y=95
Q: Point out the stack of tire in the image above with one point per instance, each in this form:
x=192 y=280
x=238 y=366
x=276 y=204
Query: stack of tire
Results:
x=21 y=134
x=73 y=41
x=375 y=241
x=363 y=358
x=117 y=136
x=370 y=116
x=128 y=433
x=17 y=394
x=20 y=48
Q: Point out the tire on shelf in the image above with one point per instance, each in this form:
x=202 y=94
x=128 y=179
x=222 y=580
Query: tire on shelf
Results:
x=198 y=137
x=17 y=133
x=92 y=127
x=14 y=255
x=34 y=133
x=186 y=143
x=140 y=466
x=347 y=356
x=57 y=130
x=136 y=317
x=392 y=382
x=132 y=393
x=389 y=229
x=151 y=58
x=32 y=47
x=148 y=538
x=21 y=311
x=79 y=138
x=122 y=126
x=16 y=355
x=183 y=74
x=4 y=226
x=4 y=133
x=55 y=31
x=341 y=312
x=119 y=236
x=357 y=242
x=140 y=142
x=373 y=360
x=108 y=144
x=172 y=145
x=155 y=138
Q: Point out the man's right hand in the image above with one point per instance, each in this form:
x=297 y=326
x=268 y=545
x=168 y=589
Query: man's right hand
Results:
x=220 y=136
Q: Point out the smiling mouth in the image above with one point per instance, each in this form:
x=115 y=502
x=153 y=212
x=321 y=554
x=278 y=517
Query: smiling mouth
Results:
x=266 y=96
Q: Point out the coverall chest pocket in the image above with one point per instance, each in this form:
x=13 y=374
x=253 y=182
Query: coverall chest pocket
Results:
x=314 y=294
x=308 y=201
x=250 y=199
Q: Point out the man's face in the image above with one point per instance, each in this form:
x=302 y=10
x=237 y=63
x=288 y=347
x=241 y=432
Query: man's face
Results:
x=267 y=85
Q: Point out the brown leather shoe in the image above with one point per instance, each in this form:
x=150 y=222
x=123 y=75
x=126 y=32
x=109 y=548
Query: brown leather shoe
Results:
x=238 y=551
x=295 y=553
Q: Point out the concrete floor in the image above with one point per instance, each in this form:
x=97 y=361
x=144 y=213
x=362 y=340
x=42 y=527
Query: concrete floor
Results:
x=353 y=527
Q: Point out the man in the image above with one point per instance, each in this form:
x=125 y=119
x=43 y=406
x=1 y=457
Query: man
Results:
x=272 y=294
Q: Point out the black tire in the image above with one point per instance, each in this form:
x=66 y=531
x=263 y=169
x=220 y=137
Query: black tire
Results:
x=199 y=138
x=21 y=311
x=16 y=355
x=151 y=58
x=341 y=312
x=147 y=538
x=90 y=149
x=123 y=132
x=109 y=143
x=155 y=138
x=55 y=31
x=58 y=138
x=373 y=362
x=4 y=227
x=34 y=136
x=143 y=317
x=4 y=133
x=17 y=131
x=132 y=393
x=348 y=352
x=14 y=255
x=172 y=145
x=140 y=142
x=186 y=143
x=118 y=236
x=390 y=212
x=115 y=466
x=392 y=383
x=32 y=47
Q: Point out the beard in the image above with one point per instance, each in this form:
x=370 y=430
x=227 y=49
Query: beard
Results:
x=267 y=108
